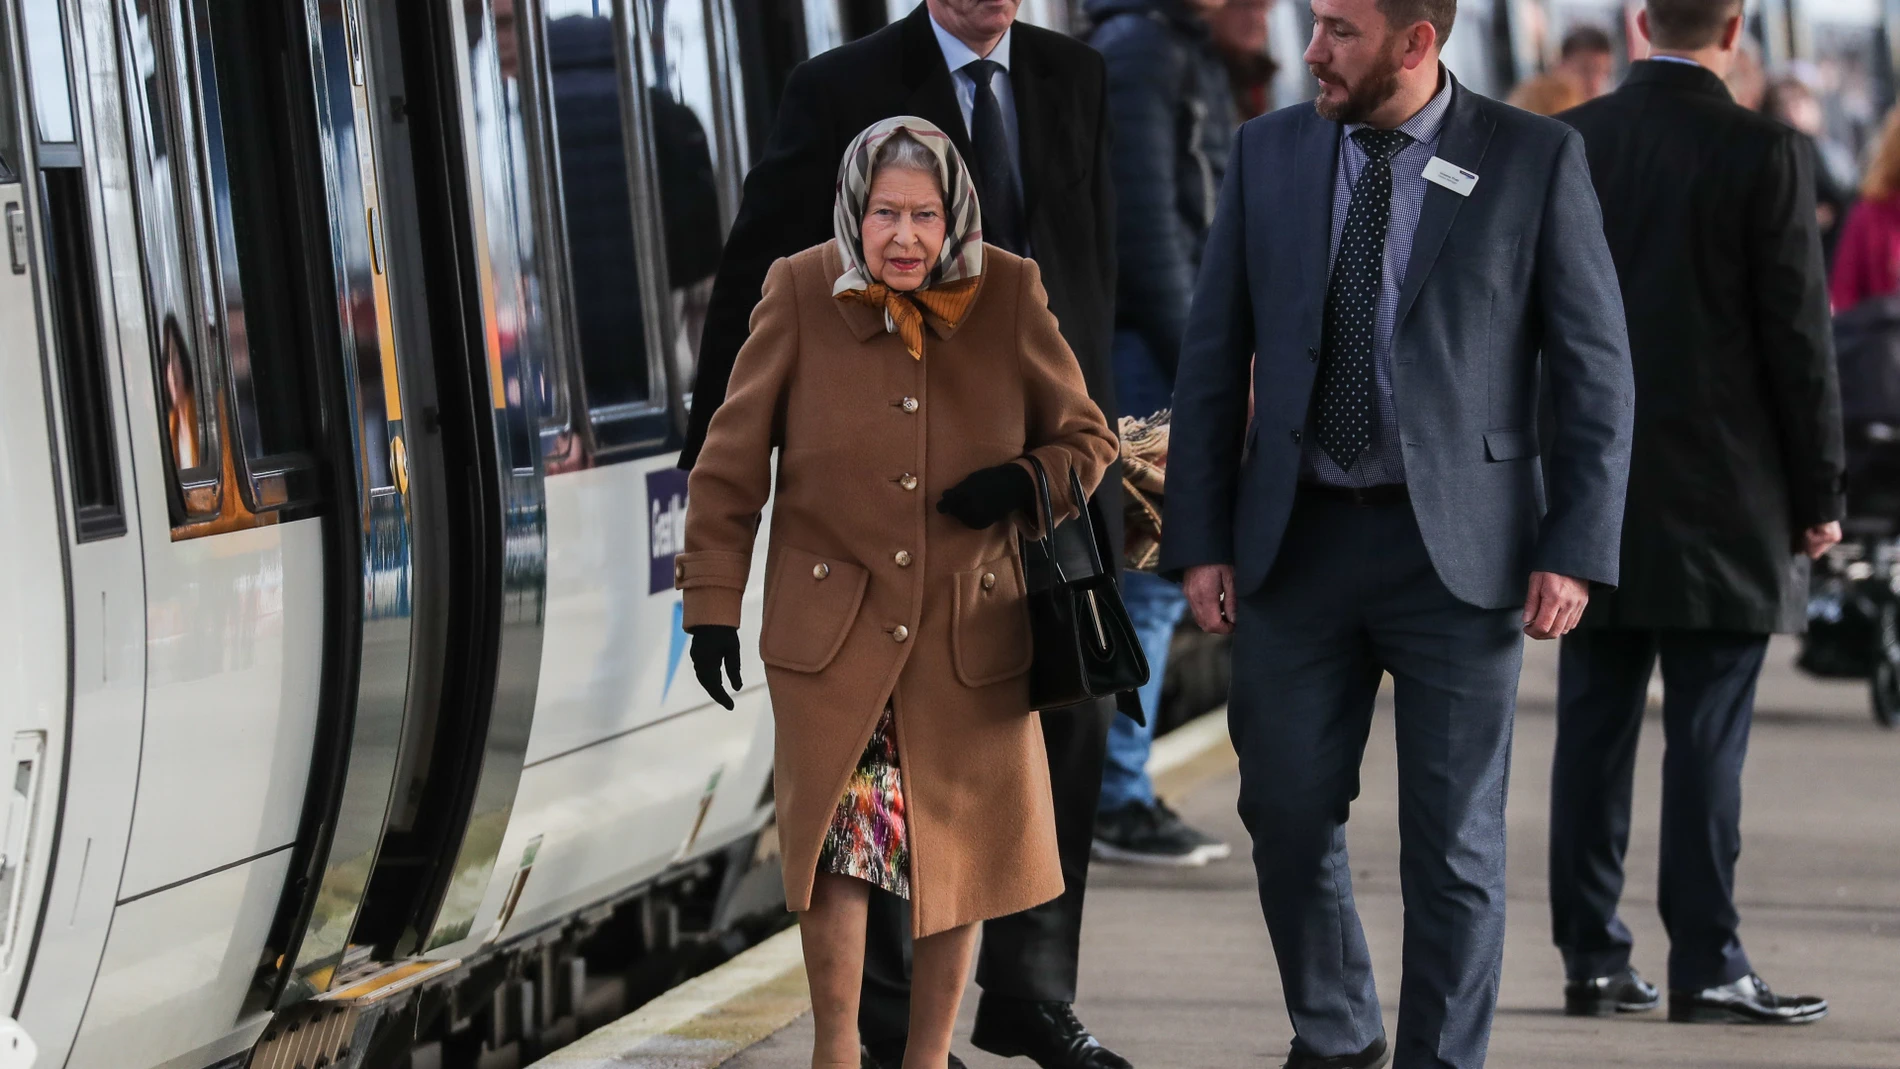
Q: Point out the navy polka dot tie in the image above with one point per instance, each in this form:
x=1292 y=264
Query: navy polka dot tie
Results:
x=1344 y=409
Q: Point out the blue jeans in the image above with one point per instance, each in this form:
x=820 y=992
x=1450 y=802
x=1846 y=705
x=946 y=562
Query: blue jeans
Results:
x=1155 y=606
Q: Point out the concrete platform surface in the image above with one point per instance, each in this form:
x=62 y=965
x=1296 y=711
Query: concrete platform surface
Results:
x=1178 y=972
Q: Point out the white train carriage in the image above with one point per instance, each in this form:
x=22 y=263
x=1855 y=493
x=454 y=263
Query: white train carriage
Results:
x=346 y=348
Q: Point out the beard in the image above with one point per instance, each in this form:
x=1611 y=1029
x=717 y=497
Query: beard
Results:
x=1371 y=91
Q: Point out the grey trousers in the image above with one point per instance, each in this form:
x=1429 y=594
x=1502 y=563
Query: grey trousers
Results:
x=1351 y=596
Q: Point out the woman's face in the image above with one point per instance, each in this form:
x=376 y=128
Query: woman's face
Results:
x=903 y=227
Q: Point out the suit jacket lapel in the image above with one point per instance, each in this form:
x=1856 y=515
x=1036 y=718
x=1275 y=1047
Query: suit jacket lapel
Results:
x=1316 y=162
x=933 y=95
x=1461 y=141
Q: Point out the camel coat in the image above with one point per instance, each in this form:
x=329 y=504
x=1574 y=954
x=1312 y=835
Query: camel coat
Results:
x=874 y=596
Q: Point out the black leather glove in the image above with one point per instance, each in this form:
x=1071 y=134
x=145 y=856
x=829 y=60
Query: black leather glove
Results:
x=715 y=645
x=985 y=497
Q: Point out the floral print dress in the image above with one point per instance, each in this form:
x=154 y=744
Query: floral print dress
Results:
x=866 y=838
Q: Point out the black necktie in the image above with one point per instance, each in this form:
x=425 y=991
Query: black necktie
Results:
x=995 y=177
x=1345 y=411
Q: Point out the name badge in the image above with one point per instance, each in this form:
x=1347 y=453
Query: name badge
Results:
x=1451 y=176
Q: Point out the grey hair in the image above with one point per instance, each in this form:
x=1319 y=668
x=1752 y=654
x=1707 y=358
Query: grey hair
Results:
x=903 y=151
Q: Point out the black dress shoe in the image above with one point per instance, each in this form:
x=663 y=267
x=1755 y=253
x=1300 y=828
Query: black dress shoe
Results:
x=1746 y=1001
x=889 y=1054
x=1607 y=996
x=1046 y=1033
x=1373 y=1057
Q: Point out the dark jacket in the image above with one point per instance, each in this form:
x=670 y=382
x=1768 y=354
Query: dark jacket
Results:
x=1062 y=123
x=1174 y=123
x=1709 y=210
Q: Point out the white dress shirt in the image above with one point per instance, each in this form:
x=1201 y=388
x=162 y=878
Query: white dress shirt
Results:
x=957 y=55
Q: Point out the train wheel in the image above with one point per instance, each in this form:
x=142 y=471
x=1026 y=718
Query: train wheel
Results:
x=1886 y=674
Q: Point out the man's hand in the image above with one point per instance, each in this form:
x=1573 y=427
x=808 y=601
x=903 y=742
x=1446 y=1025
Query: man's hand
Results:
x=1555 y=604
x=1210 y=593
x=1816 y=540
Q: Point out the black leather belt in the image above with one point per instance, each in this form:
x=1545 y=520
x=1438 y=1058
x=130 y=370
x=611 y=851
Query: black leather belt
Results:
x=1360 y=496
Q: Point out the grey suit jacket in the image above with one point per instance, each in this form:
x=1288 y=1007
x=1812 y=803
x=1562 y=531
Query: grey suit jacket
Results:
x=1516 y=270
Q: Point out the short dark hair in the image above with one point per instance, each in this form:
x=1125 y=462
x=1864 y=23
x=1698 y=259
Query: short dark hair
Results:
x=1687 y=24
x=1402 y=13
x=1586 y=40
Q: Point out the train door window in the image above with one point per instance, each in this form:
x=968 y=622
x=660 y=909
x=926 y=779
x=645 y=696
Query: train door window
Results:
x=255 y=123
x=586 y=70
x=685 y=104
x=178 y=289
x=71 y=281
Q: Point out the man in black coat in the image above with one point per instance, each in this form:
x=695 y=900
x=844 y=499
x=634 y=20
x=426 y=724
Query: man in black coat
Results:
x=1034 y=132
x=1735 y=483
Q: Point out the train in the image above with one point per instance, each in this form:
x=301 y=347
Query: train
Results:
x=349 y=346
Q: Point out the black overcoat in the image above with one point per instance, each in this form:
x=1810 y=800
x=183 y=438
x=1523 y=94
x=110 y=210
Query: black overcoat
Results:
x=1709 y=210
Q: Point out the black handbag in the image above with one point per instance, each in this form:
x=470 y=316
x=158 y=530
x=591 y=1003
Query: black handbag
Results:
x=1085 y=644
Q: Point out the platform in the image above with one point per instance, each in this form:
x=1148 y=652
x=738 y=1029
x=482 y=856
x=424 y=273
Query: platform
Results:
x=1177 y=971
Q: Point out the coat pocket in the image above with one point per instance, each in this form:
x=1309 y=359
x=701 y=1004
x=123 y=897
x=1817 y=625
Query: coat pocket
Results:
x=1515 y=444
x=989 y=638
x=809 y=609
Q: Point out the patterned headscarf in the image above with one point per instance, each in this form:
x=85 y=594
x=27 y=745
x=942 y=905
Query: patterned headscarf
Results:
x=950 y=288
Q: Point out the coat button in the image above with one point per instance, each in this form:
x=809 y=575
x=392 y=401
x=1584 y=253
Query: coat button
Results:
x=819 y=571
x=1296 y=436
x=679 y=572
x=989 y=580
x=1312 y=352
x=900 y=633
x=902 y=557
x=908 y=482
x=910 y=404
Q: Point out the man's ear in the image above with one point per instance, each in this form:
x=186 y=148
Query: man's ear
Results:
x=1642 y=26
x=1420 y=44
x=1732 y=32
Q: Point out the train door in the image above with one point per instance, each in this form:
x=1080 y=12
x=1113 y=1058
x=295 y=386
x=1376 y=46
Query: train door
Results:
x=71 y=640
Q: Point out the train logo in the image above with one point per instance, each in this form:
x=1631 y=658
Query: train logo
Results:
x=666 y=519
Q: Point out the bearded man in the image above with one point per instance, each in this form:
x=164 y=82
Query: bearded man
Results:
x=1407 y=260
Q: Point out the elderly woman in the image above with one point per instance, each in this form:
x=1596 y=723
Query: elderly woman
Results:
x=903 y=372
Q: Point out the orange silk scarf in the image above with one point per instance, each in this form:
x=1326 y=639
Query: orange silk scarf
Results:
x=949 y=302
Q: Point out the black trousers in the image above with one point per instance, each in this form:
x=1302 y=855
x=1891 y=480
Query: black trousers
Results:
x=1029 y=955
x=1708 y=703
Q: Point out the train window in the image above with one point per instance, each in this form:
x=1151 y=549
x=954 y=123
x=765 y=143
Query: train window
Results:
x=179 y=291
x=772 y=40
x=10 y=158
x=683 y=108
x=585 y=74
x=92 y=453
x=256 y=132
x=46 y=56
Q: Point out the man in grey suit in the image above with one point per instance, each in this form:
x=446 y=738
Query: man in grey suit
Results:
x=1404 y=259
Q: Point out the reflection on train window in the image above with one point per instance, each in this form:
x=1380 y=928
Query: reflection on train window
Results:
x=46 y=63
x=596 y=201
x=177 y=271
x=683 y=106
x=256 y=130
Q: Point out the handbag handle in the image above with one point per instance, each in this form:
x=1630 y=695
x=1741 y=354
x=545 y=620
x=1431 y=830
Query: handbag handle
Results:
x=1048 y=516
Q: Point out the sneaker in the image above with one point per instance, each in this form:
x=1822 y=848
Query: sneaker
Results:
x=1211 y=848
x=1135 y=834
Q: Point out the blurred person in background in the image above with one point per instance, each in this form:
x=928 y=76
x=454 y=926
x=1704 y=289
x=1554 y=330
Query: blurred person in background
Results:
x=1867 y=261
x=1735 y=483
x=1792 y=101
x=1240 y=35
x=1174 y=120
x=1586 y=60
